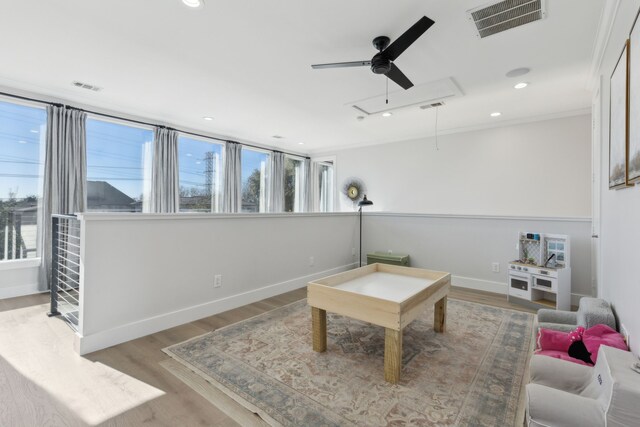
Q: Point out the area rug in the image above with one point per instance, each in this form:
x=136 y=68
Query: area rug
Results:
x=472 y=375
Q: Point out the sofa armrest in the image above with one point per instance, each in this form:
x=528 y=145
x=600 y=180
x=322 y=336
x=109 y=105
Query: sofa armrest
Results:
x=556 y=326
x=550 y=407
x=559 y=374
x=557 y=316
x=595 y=311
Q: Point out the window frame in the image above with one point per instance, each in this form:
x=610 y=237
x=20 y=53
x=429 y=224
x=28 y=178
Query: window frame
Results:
x=147 y=160
x=298 y=189
x=262 y=206
x=19 y=263
x=218 y=186
x=315 y=184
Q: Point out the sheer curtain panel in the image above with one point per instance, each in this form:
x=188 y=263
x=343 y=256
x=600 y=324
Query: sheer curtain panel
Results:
x=307 y=190
x=165 y=187
x=64 y=177
x=276 y=193
x=232 y=177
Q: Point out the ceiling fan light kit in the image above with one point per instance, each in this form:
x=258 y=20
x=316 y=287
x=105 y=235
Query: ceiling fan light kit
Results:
x=383 y=61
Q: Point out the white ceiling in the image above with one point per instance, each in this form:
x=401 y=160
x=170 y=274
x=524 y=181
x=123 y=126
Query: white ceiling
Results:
x=247 y=64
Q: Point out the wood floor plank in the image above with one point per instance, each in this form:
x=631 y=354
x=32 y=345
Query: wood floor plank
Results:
x=143 y=359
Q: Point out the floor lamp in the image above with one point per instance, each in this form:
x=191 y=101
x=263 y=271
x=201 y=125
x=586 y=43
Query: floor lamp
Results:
x=361 y=203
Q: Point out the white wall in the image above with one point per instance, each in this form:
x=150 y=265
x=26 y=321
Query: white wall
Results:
x=466 y=246
x=18 y=277
x=145 y=273
x=620 y=209
x=534 y=169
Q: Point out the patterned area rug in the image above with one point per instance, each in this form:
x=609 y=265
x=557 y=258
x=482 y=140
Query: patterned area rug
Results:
x=469 y=376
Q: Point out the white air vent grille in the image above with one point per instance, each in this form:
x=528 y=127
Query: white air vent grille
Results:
x=505 y=15
x=435 y=104
x=86 y=86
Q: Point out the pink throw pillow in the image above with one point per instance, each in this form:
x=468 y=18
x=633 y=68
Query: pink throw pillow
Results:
x=561 y=355
x=548 y=339
x=599 y=335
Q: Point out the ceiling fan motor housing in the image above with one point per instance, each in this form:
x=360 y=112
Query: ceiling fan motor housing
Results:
x=380 y=64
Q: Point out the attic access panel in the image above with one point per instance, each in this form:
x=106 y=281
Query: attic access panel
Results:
x=419 y=95
x=505 y=15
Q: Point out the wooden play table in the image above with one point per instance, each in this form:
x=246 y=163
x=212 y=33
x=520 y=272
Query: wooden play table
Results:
x=385 y=295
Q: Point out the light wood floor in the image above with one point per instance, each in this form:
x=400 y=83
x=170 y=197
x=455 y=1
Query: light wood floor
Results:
x=181 y=405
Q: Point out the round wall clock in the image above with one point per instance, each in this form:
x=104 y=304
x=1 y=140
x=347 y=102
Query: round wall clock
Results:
x=353 y=192
x=354 y=189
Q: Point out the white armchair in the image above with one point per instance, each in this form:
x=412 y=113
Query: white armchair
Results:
x=566 y=394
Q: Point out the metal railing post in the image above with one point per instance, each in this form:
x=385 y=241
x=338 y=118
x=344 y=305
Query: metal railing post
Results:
x=54 y=267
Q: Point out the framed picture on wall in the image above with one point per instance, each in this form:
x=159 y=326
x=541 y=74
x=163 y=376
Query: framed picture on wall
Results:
x=634 y=104
x=619 y=122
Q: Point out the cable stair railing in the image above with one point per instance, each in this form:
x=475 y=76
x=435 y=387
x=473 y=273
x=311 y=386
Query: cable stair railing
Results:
x=65 y=268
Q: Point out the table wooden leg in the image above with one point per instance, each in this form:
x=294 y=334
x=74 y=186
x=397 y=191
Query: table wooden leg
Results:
x=319 y=326
x=392 y=355
x=440 y=315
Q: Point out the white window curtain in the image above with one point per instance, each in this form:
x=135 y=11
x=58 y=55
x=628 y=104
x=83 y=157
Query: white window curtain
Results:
x=307 y=189
x=231 y=196
x=276 y=193
x=65 y=176
x=165 y=186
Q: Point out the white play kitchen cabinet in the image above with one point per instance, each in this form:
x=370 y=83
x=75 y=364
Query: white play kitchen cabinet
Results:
x=542 y=273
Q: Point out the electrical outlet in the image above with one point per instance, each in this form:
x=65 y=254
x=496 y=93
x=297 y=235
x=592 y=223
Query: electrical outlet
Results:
x=495 y=267
x=217 y=281
x=312 y=261
x=389 y=251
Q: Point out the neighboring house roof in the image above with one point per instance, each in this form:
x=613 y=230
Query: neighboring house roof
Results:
x=104 y=194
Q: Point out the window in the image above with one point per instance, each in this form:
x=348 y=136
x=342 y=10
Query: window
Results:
x=293 y=184
x=200 y=171
x=118 y=166
x=325 y=186
x=22 y=132
x=254 y=180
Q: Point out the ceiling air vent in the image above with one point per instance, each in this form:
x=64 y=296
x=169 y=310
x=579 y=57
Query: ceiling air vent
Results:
x=505 y=15
x=86 y=86
x=435 y=104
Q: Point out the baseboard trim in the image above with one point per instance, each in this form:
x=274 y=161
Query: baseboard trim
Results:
x=496 y=287
x=479 y=284
x=103 y=339
x=19 y=291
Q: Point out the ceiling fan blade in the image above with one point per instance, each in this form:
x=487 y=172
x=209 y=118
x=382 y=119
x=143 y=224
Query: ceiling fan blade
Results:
x=342 y=65
x=405 y=40
x=398 y=76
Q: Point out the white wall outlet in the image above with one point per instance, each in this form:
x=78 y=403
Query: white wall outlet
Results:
x=312 y=261
x=495 y=267
x=625 y=333
x=217 y=281
x=389 y=251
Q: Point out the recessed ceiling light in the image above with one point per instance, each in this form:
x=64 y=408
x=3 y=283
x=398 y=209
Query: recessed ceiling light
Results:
x=300 y=143
x=189 y=154
x=34 y=131
x=194 y=3
x=518 y=72
x=197 y=163
x=496 y=114
x=207 y=118
x=387 y=114
x=521 y=85
x=22 y=142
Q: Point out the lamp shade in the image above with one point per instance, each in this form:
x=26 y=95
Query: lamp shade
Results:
x=365 y=201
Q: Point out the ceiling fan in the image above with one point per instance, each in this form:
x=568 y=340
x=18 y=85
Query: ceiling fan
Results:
x=382 y=62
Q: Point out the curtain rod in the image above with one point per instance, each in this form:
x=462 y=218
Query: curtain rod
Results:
x=57 y=104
